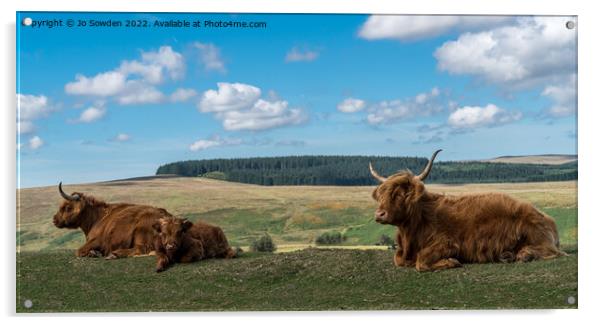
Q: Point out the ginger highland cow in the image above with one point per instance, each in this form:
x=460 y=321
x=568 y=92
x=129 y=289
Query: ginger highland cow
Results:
x=436 y=231
x=180 y=241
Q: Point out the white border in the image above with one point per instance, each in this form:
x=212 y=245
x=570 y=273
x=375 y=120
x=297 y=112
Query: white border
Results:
x=589 y=151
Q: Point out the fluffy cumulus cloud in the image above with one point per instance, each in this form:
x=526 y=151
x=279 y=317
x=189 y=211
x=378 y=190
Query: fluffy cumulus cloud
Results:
x=30 y=108
x=229 y=97
x=411 y=28
x=214 y=141
x=35 y=142
x=91 y=114
x=240 y=107
x=532 y=53
x=423 y=104
x=471 y=117
x=182 y=95
x=210 y=56
x=298 y=55
x=564 y=97
x=351 y=105
x=132 y=82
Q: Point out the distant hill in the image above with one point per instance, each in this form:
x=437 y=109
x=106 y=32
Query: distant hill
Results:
x=535 y=159
x=353 y=170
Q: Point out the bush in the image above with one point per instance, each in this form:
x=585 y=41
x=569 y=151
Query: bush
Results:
x=385 y=240
x=330 y=238
x=263 y=244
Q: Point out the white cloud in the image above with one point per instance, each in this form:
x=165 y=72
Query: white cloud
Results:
x=411 y=28
x=35 y=142
x=32 y=107
x=423 y=104
x=25 y=127
x=529 y=53
x=351 y=105
x=470 y=117
x=168 y=59
x=564 y=97
x=122 y=137
x=240 y=107
x=103 y=84
x=210 y=56
x=137 y=92
x=91 y=114
x=215 y=141
x=132 y=82
x=297 y=55
x=537 y=52
x=229 y=96
x=182 y=94
x=263 y=115
x=29 y=108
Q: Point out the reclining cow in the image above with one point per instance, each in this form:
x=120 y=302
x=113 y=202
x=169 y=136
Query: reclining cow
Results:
x=436 y=231
x=114 y=230
x=181 y=241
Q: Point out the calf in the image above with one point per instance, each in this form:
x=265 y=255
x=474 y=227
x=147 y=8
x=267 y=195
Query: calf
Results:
x=180 y=241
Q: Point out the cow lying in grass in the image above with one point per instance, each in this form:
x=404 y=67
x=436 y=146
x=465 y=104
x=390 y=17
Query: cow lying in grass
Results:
x=181 y=241
x=436 y=231
x=111 y=229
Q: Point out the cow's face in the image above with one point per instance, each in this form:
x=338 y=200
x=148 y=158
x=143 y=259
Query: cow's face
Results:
x=397 y=197
x=171 y=231
x=70 y=213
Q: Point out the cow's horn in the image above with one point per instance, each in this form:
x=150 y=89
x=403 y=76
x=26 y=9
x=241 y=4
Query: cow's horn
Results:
x=428 y=167
x=375 y=174
x=67 y=196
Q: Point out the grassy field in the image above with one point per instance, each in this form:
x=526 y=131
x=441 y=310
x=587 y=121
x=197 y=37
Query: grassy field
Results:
x=292 y=215
x=360 y=277
x=310 y=279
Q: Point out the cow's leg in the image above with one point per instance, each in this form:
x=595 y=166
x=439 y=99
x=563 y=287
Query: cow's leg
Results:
x=190 y=257
x=401 y=253
x=121 y=253
x=531 y=253
x=162 y=262
x=436 y=257
x=90 y=249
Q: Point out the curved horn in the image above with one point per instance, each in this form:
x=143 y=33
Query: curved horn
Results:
x=376 y=175
x=67 y=196
x=428 y=167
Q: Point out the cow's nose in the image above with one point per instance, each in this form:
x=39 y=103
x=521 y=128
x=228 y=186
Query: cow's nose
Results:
x=380 y=214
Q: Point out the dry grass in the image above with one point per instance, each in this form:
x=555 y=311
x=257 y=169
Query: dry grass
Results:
x=292 y=214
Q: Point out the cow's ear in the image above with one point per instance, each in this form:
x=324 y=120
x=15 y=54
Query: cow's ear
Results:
x=157 y=227
x=186 y=224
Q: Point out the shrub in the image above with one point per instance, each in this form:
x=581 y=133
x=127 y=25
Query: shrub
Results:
x=263 y=244
x=330 y=238
x=385 y=240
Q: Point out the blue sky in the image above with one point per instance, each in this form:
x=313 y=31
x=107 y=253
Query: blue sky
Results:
x=106 y=103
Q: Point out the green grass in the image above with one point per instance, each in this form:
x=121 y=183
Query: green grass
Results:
x=311 y=279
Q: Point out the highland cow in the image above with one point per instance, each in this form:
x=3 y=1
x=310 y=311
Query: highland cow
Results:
x=436 y=231
x=180 y=241
x=112 y=230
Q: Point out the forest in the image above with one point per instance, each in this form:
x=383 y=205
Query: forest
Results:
x=353 y=170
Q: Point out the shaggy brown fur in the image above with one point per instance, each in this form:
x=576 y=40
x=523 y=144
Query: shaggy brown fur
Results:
x=180 y=241
x=436 y=231
x=113 y=230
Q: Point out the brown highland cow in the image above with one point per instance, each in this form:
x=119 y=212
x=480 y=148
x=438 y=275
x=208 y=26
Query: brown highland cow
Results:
x=436 y=231
x=113 y=230
x=181 y=241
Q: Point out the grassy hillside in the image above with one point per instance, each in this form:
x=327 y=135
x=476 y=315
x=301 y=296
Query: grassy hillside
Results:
x=311 y=279
x=293 y=215
x=357 y=278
